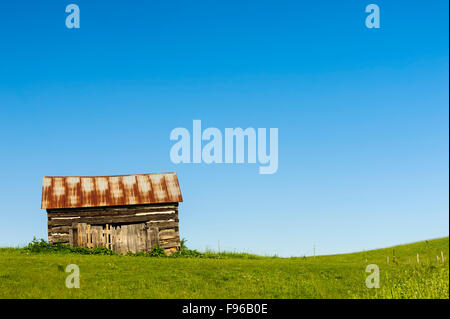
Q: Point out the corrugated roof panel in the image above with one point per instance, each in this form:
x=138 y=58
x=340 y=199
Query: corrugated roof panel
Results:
x=173 y=189
x=97 y=191
x=102 y=187
x=145 y=188
x=159 y=189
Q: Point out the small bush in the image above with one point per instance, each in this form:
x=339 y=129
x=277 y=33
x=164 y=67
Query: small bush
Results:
x=157 y=252
x=41 y=246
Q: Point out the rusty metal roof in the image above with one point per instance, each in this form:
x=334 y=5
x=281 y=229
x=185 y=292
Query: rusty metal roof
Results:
x=96 y=191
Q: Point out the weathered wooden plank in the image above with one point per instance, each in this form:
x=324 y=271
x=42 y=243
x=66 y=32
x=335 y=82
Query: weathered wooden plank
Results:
x=107 y=236
x=97 y=240
x=131 y=238
x=63 y=221
x=169 y=244
x=169 y=237
x=115 y=219
x=89 y=235
x=136 y=236
x=94 y=236
x=79 y=241
x=60 y=229
x=112 y=213
x=168 y=234
x=59 y=237
x=108 y=213
x=154 y=236
x=83 y=237
x=74 y=229
x=111 y=208
x=96 y=211
x=149 y=237
x=115 y=238
x=71 y=243
x=142 y=237
x=124 y=237
x=164 y=224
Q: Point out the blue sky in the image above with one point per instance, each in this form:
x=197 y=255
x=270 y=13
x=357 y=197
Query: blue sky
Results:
x=363 y=115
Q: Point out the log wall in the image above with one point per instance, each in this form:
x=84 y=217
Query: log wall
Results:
x=162 y=219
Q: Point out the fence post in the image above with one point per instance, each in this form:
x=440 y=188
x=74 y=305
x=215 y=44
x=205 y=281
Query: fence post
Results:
x=418 y=258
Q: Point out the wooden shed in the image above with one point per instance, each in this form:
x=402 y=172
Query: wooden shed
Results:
x=125 y=213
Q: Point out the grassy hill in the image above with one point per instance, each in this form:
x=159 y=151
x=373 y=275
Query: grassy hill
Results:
x=228 y=275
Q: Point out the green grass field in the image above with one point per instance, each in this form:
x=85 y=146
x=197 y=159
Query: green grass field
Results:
x=42 y=275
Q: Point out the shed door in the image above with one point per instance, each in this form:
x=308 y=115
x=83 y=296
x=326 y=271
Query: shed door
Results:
x=121 y=238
